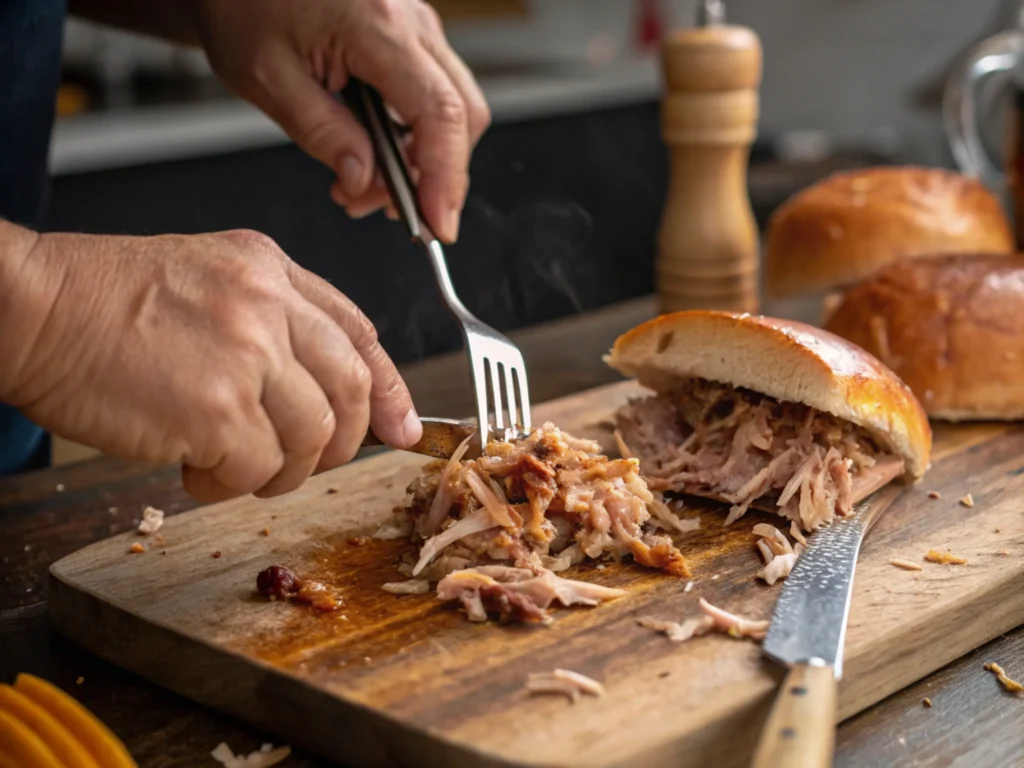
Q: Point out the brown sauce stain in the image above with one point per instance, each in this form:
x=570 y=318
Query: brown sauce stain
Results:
x=374 y=625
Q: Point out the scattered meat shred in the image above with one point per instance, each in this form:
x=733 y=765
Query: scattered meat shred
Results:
x=709 y=439
x=152 y=519
x=266 y=757
x=934 y=495
x=535 y=506
x=679 y=632
x=967 y=501
x=944 y=558
x=713 y=620
x=907 y=565
x=518 y=594
x=410 y=587
x=136 y=548
x=927 y=702
x=1011 y=685
x=733 y=625
x=564 y=681
x=779 y=556
x=278 y=582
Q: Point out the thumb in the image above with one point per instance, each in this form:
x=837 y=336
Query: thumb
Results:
x=319 y=124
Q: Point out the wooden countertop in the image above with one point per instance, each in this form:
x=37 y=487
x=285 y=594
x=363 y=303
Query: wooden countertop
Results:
x=48 y=514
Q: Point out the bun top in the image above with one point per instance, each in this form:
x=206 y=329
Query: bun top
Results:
x=842 y=229
x=951 y=326
x=786 y=360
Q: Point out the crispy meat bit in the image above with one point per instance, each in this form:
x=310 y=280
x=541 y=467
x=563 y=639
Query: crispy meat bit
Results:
x=136 y=548
x=278 y=582
x=967 y=501
x=1011 y=685
x=944 y=558
x=152 y=519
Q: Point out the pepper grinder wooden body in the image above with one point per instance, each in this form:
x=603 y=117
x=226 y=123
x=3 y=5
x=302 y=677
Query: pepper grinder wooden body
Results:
x=708 y=244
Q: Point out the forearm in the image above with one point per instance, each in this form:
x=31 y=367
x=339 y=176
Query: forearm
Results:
x=169 y=19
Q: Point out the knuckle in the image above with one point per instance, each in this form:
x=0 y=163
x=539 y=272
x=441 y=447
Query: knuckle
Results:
x=360 y=379
x=387 y=11
x=480 y=118
x=448 y=108
x=322 y=429
x=251 y=240
x=430 y=18
x=363 y=332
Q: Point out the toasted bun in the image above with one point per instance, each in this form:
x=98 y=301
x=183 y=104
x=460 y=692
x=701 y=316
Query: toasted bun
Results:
x=785 y=360
x=841 y=230
x=952 y=327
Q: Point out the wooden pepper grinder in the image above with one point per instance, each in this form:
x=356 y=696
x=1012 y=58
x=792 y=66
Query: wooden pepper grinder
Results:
x=708 y=244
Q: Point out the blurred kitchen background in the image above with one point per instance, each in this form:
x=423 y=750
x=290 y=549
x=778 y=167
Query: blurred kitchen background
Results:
x=568 y=184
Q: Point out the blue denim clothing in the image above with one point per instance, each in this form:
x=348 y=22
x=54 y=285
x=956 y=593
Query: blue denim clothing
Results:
x=31 y=34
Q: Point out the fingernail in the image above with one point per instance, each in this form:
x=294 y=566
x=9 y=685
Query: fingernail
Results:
x=451 y=223
x=351 y=175
x=412 y=428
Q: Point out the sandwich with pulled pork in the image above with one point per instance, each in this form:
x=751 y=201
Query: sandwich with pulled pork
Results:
x=765 y=413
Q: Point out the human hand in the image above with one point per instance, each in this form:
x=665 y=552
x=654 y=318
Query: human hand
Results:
x=288 y=58
x=214 y=351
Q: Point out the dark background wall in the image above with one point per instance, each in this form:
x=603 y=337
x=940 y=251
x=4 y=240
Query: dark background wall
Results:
x=562 y=217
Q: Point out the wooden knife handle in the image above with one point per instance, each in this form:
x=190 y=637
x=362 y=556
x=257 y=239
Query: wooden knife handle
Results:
x=800 y=731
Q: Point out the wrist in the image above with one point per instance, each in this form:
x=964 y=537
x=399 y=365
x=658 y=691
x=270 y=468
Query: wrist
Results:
x=20 y=304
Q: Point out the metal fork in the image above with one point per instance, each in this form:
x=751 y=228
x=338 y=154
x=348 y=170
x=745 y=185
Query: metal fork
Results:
x=493 y=359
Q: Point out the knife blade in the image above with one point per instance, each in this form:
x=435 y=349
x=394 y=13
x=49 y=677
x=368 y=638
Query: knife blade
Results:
x=807 y=634
x=441 y=437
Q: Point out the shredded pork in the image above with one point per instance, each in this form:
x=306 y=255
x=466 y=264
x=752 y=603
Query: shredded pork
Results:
x=779 y=555
x=535 y=506
x=1004 y=680
x=266 y=757
x=709 y=439
x=518 y=594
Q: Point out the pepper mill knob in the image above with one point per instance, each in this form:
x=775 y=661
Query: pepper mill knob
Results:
x=708 y=243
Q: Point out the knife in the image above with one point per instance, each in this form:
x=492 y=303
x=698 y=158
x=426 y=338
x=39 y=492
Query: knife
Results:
x=807 y=633
x=441 y=437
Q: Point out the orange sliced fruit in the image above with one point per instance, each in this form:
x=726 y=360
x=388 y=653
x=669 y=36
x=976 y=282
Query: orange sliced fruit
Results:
x=23 y=745
x=99 y=741
x=59 y=739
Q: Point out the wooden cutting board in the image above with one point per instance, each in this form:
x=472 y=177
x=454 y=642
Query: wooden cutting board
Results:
x=407 y=681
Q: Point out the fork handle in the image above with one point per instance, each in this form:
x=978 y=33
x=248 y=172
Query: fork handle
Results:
x=367 y=105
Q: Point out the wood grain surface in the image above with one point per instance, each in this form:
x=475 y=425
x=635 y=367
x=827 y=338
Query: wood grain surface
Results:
x=406 y=681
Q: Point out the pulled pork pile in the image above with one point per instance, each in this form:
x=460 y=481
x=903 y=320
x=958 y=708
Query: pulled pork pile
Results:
x=535 y=506
x=714 y=440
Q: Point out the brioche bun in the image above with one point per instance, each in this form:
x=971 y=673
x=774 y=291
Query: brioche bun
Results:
x=844 y=228
x=788 y=361
x=952 y=327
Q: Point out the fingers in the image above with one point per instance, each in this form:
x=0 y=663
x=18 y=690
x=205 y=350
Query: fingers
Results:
x=234 y=472
x=320 y=125
x=392 y=415
x=478 y=114
x=419 y=88
x=329 y=355
x=304 y=420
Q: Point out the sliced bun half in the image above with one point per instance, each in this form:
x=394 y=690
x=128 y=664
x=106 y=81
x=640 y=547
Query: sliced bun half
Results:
x=785 y=360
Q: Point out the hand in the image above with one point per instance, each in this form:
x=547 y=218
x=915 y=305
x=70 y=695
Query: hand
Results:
x=289 y=57
x=214 y=351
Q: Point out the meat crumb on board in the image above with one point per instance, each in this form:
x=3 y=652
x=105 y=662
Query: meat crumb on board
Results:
x=278 y=582
x=944 y=558
x=934 y=495
x=152 y=519
x=1011 y=685
x=216 y=555
x=136 y=548
x=266 y=757
x=714 y=620
x=265 y=532
x=779 y=555
x=564 y=681
x=927 y=703
x=967 y=501
x=906 y=565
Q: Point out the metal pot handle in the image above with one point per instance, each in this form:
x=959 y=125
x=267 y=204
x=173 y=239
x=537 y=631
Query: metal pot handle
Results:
x=995 y=57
